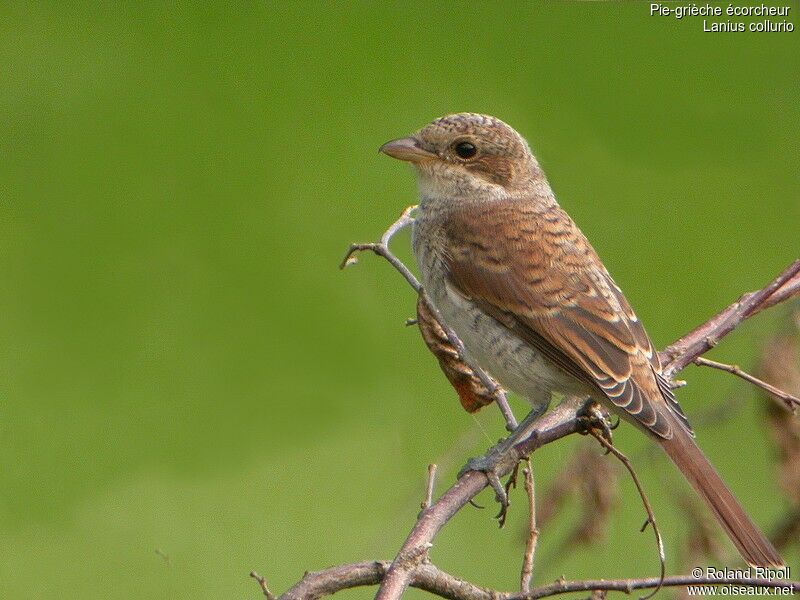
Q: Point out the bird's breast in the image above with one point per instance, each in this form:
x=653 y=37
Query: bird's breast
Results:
x=513 y=362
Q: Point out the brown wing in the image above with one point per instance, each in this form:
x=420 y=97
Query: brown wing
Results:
x=471 y=391
x=541 y=278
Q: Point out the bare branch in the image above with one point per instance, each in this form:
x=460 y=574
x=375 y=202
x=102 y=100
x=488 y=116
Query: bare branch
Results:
x=628 y=585
x=431 y=579
x=411 y=561
x=791 y=402
x=533 y=531
x=381 y=248
x=554 y=425
x=505 y=408
x=263 y=583
x=704 y=337
x=426 y=577
x=429 y=487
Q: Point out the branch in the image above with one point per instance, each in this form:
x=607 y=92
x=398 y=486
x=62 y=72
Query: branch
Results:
x=426 y=577
x=554 y=425
x=381 y=248
x=628 y=585
x=533 y=531
x=431 y=579
x=558 y=423
x=681 y=353
x=262 y=582
x=790 y=401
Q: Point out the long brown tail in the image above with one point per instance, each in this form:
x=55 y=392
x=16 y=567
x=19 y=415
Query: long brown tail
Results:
x=754 y=547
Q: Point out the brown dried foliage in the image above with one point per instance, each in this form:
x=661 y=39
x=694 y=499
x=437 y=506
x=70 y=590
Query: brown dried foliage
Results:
x=594 y=481
x=780 y=366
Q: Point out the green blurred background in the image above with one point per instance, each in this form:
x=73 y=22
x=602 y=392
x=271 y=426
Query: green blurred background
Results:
x=183 y=368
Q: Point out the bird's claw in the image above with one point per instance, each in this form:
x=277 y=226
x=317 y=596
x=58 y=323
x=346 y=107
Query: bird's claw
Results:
x=594 y=419
x=494 y=462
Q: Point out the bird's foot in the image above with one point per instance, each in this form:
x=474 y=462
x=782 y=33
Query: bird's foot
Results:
x=593 y=418
x=503 y=458
x=500 y=459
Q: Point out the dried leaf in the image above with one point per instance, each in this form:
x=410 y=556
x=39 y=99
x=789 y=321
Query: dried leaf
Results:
x=594 y=481
x=780 y=366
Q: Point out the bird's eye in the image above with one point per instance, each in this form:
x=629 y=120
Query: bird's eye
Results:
x=465 y=149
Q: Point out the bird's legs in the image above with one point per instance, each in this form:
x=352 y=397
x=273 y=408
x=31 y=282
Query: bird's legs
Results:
x=503 y=458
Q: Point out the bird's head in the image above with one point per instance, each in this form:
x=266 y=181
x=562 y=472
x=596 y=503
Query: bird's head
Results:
x=467 y=151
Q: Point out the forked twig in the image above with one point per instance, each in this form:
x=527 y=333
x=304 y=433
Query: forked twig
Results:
x=263 y=583
x=791 y=402
x=701 y=339
x=381 y=248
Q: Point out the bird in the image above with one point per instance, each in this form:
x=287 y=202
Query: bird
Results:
x=510 y=272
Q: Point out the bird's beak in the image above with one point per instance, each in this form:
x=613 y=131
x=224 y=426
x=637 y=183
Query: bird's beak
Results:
x=407 y=148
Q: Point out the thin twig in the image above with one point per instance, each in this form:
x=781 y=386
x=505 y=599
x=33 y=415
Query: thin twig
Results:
x=431 y=483
x=533 y=530
x=651 y=517
x=263 y=583
x=501 y=399
x=791 y=401
x=381 y=248
x=628 y=585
